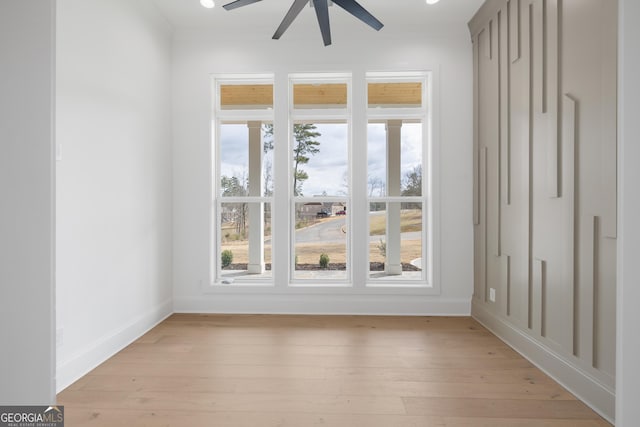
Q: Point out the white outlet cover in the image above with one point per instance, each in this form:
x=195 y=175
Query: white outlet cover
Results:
x=492 y=294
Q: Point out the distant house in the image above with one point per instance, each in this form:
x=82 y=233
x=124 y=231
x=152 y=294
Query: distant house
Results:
x=338 y=207
x=311 y=209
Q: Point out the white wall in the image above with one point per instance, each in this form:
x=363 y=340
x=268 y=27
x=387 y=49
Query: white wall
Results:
x=446 y=49
x=27 y=54
x=113 y=179
x=628 y=351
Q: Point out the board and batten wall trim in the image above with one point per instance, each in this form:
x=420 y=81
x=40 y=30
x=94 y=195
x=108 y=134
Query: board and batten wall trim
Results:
x=545 y=189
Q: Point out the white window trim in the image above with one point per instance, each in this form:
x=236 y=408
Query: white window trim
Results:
x=424 y=114
x=219 y=117
x=319 y=116
x=280 y=284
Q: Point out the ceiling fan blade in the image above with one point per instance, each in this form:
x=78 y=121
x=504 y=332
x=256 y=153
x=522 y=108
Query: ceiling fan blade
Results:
x=239 y=3
x=322 y=13
x=354 y=8
x=293 y=12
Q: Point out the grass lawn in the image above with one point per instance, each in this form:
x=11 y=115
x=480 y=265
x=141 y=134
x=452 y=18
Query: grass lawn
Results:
x=240 y=249
x=309 y=253
x=410 y=220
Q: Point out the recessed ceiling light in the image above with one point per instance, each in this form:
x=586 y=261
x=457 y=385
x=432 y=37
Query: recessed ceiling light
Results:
x=209 y=4
x=432 y=1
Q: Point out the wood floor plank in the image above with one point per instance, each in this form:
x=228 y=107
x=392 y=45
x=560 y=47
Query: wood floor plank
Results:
x=498 y=408
x=491 y=350
x=140 y=418
x=209 y=370
x=519 y=422
x=342 y=371
x=529 y=375
x=347 y=359
x=543 y=391
x=247 y=402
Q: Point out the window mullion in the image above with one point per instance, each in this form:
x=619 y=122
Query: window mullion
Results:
x=360 y=211
x=282 y=165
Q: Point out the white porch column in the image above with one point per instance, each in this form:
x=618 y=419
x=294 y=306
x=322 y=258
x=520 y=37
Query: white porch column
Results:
x=256 y=210
x=392 y=264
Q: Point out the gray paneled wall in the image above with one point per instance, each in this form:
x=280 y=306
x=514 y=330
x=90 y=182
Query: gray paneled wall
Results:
x=545 y=185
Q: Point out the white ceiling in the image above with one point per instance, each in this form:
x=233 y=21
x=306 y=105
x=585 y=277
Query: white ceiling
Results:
x=263 y=18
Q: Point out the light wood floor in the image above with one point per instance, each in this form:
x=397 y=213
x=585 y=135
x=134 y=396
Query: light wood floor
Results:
x=298 y=371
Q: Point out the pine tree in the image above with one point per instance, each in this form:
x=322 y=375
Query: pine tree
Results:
x=305 y=145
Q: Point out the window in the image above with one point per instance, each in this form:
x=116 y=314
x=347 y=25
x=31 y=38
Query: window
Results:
x=396 y=161
x=382 y=186
x=320 y=139
x=243 y=149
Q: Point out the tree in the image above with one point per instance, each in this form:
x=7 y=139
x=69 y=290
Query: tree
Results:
x=376 y=186
x=306 y=145
x=267 y=141
x=233 y=186
x=236 y=187
x=412 y=182
x=412 y=186
x=376 y=189
x=345 y=184
x=268 y=178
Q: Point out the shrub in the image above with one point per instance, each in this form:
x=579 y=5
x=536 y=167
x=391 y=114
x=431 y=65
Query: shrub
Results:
x=227 y=258
x=324 y=260
x=382 y=247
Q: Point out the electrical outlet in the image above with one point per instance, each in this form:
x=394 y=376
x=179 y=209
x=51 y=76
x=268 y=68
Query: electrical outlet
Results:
x=492 y=294
x=59 y=337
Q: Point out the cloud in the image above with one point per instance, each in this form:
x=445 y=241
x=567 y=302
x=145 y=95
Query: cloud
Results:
x=377 y=152
x=234 y=149
x=327 y=168
x=411 y=140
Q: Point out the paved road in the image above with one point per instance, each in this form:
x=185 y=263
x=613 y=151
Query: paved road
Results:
x=330 y=231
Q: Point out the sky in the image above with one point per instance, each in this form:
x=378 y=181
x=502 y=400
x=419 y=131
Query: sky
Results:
x=328 y=168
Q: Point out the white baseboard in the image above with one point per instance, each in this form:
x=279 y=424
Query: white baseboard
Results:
x=69 y=371
x=401 y=305
x=584 y=386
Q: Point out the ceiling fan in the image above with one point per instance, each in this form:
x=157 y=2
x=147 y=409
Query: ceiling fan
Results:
x=322 y=13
